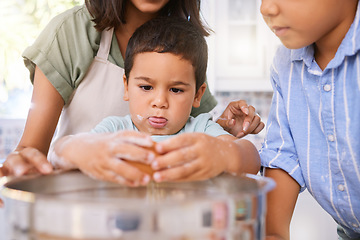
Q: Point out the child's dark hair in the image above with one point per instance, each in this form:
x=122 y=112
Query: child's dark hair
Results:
x=170 y=35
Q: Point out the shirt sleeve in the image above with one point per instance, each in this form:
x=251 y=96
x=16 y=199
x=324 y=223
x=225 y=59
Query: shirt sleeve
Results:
x=114 y=124
x=64 y=50
x=278 y=149
x=214 y=129
x=203 y=123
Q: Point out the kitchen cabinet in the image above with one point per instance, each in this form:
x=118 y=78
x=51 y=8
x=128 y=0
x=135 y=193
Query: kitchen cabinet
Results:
x=241 y=48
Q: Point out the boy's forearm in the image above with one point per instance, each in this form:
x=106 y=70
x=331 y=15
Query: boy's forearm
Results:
x=56 y=154
x=249 y=156
x=245 y=157
x=280 y=204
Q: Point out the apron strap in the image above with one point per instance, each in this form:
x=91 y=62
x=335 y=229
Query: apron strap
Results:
x=105 y=44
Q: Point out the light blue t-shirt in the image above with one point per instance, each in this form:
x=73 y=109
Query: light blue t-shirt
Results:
x=202 y=123
x=313 y=131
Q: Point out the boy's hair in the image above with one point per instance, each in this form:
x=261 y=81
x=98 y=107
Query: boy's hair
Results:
x=170 y=35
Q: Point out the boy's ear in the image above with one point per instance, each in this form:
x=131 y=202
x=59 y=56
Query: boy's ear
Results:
x=199 y=95
x=126 y=94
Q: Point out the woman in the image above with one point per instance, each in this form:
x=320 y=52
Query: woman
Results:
x=70 y=82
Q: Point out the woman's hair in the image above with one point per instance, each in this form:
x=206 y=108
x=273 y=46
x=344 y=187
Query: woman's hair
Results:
x=170 y=35
x=111 y=13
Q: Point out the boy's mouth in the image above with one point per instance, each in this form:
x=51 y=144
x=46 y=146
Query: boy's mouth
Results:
x=279 y=31
x=157 y=122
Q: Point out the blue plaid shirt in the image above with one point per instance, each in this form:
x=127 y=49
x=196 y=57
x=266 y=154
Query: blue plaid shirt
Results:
x=313 y=131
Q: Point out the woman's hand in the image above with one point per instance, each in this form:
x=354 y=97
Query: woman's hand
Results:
x=102 y=156
x=239 y=119
x=25 y=161
x=30 y=154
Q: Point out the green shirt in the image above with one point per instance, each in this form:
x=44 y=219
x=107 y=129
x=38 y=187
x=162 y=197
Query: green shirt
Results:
x=66 y=47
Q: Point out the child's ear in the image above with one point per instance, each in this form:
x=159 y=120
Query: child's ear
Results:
x=126 y=95
x=199 y=95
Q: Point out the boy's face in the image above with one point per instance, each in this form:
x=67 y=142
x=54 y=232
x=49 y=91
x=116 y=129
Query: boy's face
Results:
x=299 y=23
x=161 y=91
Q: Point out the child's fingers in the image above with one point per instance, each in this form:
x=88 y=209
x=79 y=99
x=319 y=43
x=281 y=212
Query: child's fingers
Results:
x=131 y=152
x=176 y=142
x=239 y=106
x=174 y=158
x=109 y=176
x=185 y=172
x=245 y=109
x=251 y=112
x=134 y=137
x=226 y=123
x=119 y=171
x=250 y=125
x=252 y=122
x=259 y=128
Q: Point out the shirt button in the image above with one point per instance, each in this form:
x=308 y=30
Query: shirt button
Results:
x=327 y=87
x=331 y=138
x=341 y=187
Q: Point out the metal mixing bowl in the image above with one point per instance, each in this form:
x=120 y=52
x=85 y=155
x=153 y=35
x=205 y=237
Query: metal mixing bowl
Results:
x=70 y=205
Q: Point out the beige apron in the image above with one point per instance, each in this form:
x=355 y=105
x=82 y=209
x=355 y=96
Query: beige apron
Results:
x=100 y=94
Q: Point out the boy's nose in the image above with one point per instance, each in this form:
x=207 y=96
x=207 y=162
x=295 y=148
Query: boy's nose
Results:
x=160 y=101
x=269 y=8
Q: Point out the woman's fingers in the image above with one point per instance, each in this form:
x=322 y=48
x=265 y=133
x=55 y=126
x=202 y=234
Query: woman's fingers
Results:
x=15 y=165
x=22 y=162
x=37 y=159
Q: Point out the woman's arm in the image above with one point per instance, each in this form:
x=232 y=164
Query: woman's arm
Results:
x=43 y=116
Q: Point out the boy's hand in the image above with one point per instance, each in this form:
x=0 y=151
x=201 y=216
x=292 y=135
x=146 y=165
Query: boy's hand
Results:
x=106 y=156
x=192 y=156
x=239 y=119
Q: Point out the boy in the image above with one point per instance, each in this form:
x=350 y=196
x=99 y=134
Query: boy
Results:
x=165 y=70
x=313 y=129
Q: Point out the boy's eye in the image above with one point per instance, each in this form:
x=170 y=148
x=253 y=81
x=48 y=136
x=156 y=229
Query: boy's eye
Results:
x=176 y=90
x=146 y=88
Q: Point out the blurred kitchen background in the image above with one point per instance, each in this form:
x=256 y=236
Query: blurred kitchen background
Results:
x=241 y=49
